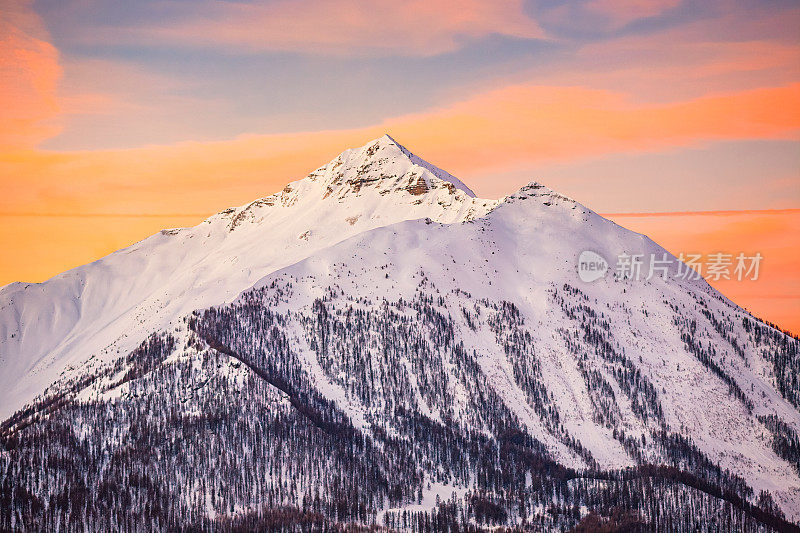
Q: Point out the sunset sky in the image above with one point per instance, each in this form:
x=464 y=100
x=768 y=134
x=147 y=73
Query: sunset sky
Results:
x=121 y=118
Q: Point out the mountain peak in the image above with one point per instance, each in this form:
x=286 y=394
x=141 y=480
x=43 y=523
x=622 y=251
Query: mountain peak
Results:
x=387 y=139
x=535 y=189
x=383 y=173
x=385 y=164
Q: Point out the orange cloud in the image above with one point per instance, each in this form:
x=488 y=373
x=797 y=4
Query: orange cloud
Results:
x=416 y=27
x=508 y=128
x=29 y=73
x=531 y=124
x=738 y=212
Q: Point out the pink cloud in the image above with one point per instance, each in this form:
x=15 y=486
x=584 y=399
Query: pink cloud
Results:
x=669 y=65
x=29 y=73
x=375 y=27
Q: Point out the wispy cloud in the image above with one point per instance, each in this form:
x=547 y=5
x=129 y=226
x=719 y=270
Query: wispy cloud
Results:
x=718 y=213
x=622 y=12
x=511 y=127
x=534 y=124
x=333 y=27
x=29 y=72
x=163 y=72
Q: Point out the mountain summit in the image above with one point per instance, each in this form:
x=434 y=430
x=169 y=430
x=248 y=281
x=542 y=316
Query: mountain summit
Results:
x=375 y=345
x=389 y=166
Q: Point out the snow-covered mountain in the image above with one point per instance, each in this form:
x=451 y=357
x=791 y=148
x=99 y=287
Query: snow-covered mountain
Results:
x=374 y=343
x=111 y=305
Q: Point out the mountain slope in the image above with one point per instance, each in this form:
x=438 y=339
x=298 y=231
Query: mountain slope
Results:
x=524 y=253
x=357 y=377
x=111 y=305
